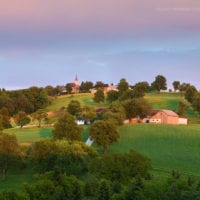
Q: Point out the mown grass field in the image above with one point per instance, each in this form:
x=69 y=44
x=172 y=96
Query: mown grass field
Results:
x=84 y=99
x=30 y=134
x=169 y=147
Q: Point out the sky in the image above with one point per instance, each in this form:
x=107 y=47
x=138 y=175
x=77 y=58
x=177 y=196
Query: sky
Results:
x=48 y=42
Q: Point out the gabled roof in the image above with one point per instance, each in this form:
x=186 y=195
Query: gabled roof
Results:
x=167 y=112
x=170 y=113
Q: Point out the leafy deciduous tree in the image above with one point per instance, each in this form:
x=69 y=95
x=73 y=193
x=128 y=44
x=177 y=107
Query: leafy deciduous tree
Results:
x=112 y=96
x=136 y=108
x=104 y=133
x=86 y=86
x=39 y=116
x=139 y=89
x=69 y=88
x=190 y=93
x=67 y=128
x=74 y=107
x=182 y=107
x=176 y=85
x=88 y=114
x=9 y=151
x=99 y=96
x=196 y=102
x=122 y=87
x=22 y=119
x=160 y=83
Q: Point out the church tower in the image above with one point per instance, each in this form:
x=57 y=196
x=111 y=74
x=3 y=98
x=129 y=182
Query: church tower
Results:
x=76 y=81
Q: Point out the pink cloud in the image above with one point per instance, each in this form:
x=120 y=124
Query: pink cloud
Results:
x=100 y=16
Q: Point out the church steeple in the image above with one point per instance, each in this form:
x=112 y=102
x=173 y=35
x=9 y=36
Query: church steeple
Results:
x=76 y=80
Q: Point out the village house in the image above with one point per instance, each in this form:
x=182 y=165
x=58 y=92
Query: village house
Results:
x=106 y=89
x=161 y=117
x=165 y=117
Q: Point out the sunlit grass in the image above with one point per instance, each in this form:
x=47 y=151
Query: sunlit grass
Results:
x=169 y=147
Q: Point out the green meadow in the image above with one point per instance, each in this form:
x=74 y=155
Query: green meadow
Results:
x=30 y=134
x=169 y=147
x=84 y=99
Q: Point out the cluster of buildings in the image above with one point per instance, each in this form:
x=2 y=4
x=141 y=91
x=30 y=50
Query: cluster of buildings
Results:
x=155 y=117
x=76 y=87
x=161 y=117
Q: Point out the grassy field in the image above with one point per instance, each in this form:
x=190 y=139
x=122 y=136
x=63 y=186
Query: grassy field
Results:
x=30 y=134
x=170 y=101
x=169 y=147
x=84 y=99
x=164 y=100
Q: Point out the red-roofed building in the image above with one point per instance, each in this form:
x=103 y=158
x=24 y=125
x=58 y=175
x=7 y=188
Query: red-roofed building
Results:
x=75 y=85
x=166 y=117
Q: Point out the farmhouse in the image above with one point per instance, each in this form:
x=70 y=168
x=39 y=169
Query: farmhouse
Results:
x=160 y=117
x=106 y=89
x=165 y=117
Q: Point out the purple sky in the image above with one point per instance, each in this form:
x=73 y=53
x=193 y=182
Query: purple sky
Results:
x=50 y=41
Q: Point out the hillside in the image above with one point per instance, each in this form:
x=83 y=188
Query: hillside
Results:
x=169 y=147
x=63 y=101
x=157 y=101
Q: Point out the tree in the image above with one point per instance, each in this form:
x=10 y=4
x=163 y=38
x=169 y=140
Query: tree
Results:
x=1 y=124
x=121 y=167
x=196 y=102
x=123 y=86
x=112 y=96
x=69 y=88
x=139 y=89
x=182 y=107
x=176 y=85
x=13 y=195
x=104 y=191
x=67 y=128
x=86 y=86
x=9 y=151
x=190 y=93
x=160 y=83
x=88 y=114
x=99 y=84
x=116 y=113
x=183 y=87
x=136 y=108
x=21 y=119
x=74 y=107
x=5 y=118
x=39 y=116
x=37 y=97
x=99 y=96
x=50 y=90
x=61 y=156
x=104 y=133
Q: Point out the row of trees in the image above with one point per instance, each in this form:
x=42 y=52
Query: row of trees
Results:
x=27 y=100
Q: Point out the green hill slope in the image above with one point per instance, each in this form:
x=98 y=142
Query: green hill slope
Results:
x=157 y=101
x=169 y=147
x=84 y=99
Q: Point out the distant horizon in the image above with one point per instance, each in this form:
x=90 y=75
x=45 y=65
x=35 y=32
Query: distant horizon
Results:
x=169 y=85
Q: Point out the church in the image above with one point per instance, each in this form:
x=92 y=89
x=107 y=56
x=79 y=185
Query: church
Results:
x=75 y=85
